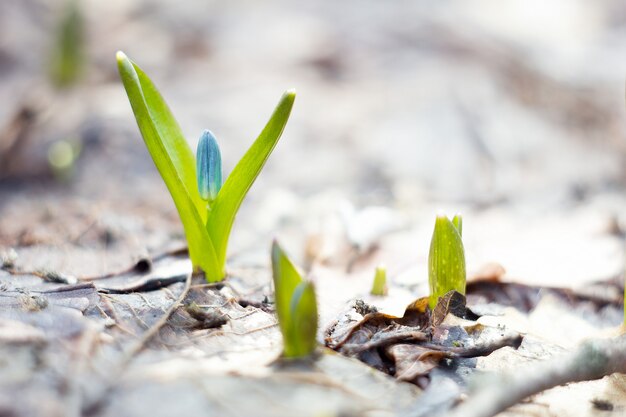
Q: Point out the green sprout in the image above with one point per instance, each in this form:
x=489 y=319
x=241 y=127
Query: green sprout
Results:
x=62 y=157
x=296 y=306
x=207 y=222
x=67 y=56
x=379 y=287
x=446 y=260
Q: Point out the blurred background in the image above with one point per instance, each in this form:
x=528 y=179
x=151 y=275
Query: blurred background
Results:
x=510 y=112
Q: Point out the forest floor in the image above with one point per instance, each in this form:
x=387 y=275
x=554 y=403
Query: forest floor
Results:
x=402 y=112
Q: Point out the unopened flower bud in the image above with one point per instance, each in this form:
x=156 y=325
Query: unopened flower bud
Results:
x=208 y=166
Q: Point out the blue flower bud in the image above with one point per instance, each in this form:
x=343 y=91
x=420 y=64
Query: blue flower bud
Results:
x=208 y=166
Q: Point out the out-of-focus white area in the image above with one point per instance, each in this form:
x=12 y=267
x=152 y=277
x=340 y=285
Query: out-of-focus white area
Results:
x=511 y=112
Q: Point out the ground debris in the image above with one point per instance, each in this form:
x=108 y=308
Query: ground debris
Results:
x=79 y=297
x=363 y=308
x=602 y=405
x=592 y=360
x=410 y=346
x=596 y=295
x=207 y=319
x=385 y=338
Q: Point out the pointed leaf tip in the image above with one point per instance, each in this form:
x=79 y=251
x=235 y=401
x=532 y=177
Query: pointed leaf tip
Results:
x=120 y=56
x=275 y=247
x=223 y=211
x=457 y=221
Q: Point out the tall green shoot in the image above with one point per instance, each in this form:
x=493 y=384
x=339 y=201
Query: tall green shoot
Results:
x=67 y=57
x=207 y=230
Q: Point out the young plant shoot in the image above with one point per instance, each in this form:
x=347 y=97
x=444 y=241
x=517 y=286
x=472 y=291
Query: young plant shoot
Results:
x=206 y=208
x=67 y=59
x=446 y=260
x=296 y=306
x=379 y=287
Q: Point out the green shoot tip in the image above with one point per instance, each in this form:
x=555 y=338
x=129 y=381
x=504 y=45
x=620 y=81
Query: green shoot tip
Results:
x=446 y=259
x=120 y=56
x=379 y=287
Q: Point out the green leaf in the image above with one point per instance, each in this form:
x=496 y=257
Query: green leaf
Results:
x=229 y=199
x=303 y=308
x=67 y=60
x=446 y=261
x=207 y=228
x=379 y=287
x=174 y=160
x=286 y=279
x=174 y=142
x=457 y=221
x=296 y=306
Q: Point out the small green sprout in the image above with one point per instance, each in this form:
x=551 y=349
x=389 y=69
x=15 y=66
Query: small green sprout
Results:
x=379 y=287
x=67 y=55
x=62 y=157
x=446 y=260
x=296 y=306
x=206 y=208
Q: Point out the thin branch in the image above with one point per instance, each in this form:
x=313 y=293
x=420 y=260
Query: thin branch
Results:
x=592 y=360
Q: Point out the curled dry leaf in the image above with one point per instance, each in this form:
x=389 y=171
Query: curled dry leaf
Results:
x=413 y=361
x=411 y=346
x=451 y=303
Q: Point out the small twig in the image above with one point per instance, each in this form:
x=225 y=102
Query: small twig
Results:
x=142 y=266
x=482 y=349
x=168 y=292
x=143 y=285
x=116 y=319
x=384 y=340
x=244 y=315
x=130 y=308
x=149 y=303
x=49 y=276
x=594 y=359
x=217 y=285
